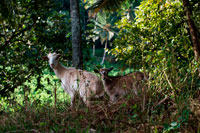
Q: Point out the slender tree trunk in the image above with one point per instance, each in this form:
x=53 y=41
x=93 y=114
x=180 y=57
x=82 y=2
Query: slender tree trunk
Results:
x=93 y=50
x=77 y=56
x=192 y=28
x=104 y=55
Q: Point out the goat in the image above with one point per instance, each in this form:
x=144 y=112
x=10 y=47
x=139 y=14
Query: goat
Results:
x=117 y=86
x=75 y=81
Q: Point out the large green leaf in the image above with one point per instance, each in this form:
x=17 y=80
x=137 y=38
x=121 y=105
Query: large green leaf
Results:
x=106 y=4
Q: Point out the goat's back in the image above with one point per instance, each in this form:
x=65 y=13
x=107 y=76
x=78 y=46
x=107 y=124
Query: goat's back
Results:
x=123 y=83
x=126 y=82
x=81 y=79
x=94 y=83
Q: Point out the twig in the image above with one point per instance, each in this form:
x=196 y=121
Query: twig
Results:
x=168 y=80
x=55 y=99
x=163 y=100
x=144 y=98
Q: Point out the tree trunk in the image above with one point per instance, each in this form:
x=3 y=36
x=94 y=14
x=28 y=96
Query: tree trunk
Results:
x=192 y=28
x=104 y=55
x=77 y=56
x=93 y=50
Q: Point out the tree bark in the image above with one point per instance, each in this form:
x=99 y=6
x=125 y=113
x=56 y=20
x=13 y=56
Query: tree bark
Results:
x=77 y=56
x=192 y=28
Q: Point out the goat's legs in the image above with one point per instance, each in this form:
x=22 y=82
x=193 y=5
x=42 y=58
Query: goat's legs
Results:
x=72 y=96
x=113 y=99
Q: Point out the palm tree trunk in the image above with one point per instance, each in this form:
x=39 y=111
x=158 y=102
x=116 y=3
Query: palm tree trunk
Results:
x=192 y=28
x=77 y=56
x=104 y=55
x=93 y=50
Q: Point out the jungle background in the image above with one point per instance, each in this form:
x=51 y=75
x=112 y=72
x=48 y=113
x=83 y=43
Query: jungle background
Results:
x=158 y=37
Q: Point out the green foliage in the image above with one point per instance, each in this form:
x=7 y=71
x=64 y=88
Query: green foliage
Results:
x=171 y=127
x=158 y=41
x=128 y=9
x=27 y=29
x=156 y=35
x=106 y=4
x=35 y=98
x=103 y=28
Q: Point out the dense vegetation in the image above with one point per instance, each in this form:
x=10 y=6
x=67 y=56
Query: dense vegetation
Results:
x=149 y=36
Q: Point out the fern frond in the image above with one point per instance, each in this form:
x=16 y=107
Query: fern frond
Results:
x=110 y=5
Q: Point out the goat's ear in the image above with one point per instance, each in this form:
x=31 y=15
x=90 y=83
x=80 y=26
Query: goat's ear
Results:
x=58 y=56
x=96 y=71
x=45 y=58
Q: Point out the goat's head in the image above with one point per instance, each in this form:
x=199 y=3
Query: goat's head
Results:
x=53 y=59
x=103 y=71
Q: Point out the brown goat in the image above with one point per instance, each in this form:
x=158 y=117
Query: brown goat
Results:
x=117 y=86
x=86 y=84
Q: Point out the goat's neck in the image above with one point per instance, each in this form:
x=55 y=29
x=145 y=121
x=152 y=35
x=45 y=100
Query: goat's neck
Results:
x=107 y=80
x=59 y=70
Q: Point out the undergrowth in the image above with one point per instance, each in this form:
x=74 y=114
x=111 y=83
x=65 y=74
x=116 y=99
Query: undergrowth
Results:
x=149 y=112
x=168 y=102
x=127 y=115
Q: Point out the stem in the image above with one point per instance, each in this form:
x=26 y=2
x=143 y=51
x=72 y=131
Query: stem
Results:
x=193 y=29
x=93 y=50
x=55 y=98
x=104 y=55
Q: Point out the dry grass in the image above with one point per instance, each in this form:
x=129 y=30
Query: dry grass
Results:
x=127 y=115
